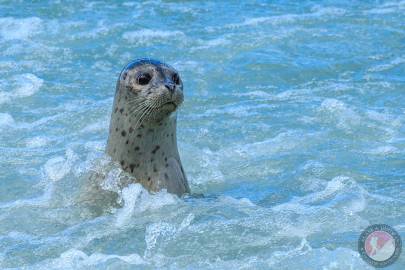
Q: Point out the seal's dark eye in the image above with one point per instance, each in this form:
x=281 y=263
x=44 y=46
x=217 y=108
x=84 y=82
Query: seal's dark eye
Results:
x=143 y=78
x=176 y=78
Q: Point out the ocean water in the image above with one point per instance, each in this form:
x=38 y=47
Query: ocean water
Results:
x=292 y=127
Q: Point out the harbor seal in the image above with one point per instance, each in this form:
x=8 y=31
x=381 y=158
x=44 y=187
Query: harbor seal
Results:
x=142 y=135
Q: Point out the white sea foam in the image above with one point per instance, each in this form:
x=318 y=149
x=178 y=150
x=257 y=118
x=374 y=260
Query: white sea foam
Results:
x=13 y=28
x=335 y=187
x=6 y=120
x=137 y=199
x=77 y=259
x=322 y=11
x=37 y=142
x=28 y=84
x=184 y=66
x=238 y=110
x=388 y=7
x=95 y=145
x=277 y=19
x=130 y=196
x=280 y=143
x=337 y=110
x=258 y=94
x=4 y=97
x=207 y=166
x=42 y=200
x=146 y=36
x=322 y=258
x=318 y=12
x=212 y=43
x=155 y=232
x=58 y=167
x=274 y=150
x=96 y=126
x=385 y=150
x=288 y=95
x=398 y=61
x=163 y=232
x=239 y=202
x=23 y=85
x=340 y=200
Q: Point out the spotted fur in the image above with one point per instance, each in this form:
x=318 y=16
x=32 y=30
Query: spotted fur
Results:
x=143 y=116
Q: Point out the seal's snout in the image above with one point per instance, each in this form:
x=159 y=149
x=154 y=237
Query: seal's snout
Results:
x=171 y=87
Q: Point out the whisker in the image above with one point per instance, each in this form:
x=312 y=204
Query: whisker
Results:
x=135 y=105
x=135 y=100
x=138 y=109
x=138 y=122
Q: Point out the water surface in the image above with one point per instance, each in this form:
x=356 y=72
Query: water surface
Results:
x=292 y=127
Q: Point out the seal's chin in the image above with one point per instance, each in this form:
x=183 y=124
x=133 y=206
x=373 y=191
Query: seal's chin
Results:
x=171 y=106
x=163 y=111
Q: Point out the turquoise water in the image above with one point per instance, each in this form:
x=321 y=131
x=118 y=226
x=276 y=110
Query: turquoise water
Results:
x=292 y=126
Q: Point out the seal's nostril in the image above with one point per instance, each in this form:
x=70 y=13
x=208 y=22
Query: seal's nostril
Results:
x=170 y=87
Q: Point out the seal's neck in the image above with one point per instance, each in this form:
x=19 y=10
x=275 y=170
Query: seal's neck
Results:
x=142 y=149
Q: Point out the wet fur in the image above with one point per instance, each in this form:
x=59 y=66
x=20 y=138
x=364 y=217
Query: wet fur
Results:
x=142 y=137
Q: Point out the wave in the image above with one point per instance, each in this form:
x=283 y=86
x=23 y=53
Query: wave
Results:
x=148 y=36
x=21 y=29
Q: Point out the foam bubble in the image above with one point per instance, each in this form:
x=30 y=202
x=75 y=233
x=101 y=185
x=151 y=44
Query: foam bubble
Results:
x=130 y=195
x=186 y=221
x=206 y=44
x=384 y=150
x=77 y=259
x=318 y=12
x=12 y=28
x=99 y=125
x=344 y=116
x=28 y=84
x=95 y=145
x=208 y=167
x=137 y=199
x=184 y=66
x=155 y=231
x=146 y=36
x=238 y=110
x=258 y=94
x=58 y=167
x=390 y=65
x=337 y=186
x=389 y=7
x=163 y=231
x=302 y=249
x=4 y=97
x=283 y=141
x=322 y=11
x=23 y=85
x=36 y=142
x=340 y=199
x=239 y=202
x=37 y=201
x=6 y=119
x=287 y=18
x=305 y=255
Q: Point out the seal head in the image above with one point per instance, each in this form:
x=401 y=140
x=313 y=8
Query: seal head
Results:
x=142 y=135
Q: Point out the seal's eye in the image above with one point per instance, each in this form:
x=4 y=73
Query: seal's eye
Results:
x=143 y=78
x=176 y=78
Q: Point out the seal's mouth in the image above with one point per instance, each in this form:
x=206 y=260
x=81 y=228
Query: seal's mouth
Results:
x=170 y=104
